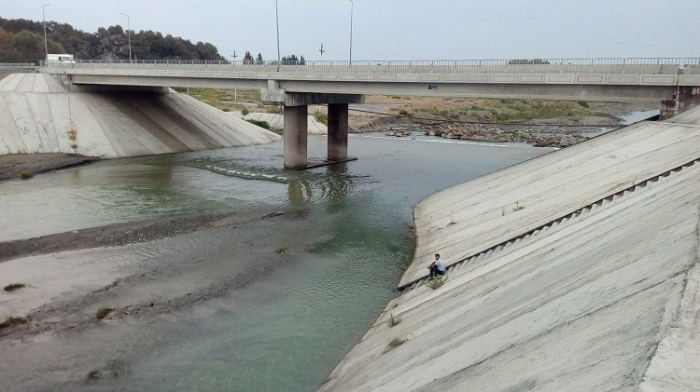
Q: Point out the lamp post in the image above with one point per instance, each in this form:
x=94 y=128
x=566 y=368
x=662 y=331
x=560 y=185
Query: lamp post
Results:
x=277 y=17
x=128 y=24
x=46 y=41
x=352 y=11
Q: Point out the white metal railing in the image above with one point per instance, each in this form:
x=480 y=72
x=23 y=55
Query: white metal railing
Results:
x=648 y=66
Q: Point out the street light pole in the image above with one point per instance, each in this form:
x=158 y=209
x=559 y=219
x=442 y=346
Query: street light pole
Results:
x=128 y=24
x=46 y=41
x=277 y=16
x=352 y=11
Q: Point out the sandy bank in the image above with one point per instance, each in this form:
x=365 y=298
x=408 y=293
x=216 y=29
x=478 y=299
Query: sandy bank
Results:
x=12 y=166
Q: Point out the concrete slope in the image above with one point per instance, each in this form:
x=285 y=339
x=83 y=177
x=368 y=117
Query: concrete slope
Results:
x=602 y=298
x=39 y=115
x=276 y=122
x=467 y=219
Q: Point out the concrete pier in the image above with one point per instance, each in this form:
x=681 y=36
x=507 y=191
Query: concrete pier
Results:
x=575 y=271
x=337 y=132
x=296 y=128
x=295 y=137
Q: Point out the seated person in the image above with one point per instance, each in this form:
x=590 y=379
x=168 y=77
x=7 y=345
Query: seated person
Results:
x=437 y=267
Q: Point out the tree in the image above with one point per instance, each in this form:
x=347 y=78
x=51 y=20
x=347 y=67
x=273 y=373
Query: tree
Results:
x=106 y=43
x=248 y=58
x=259 y=59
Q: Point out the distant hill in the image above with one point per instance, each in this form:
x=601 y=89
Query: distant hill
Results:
x=22 y=41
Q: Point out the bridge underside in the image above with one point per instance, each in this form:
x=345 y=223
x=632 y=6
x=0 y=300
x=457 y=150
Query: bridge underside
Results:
x=296 y=95
x=590 y=92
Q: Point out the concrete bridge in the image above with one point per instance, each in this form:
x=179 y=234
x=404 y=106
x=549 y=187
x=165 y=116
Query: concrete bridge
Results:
x=673 y=81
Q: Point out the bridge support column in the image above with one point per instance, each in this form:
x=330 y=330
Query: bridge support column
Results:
x=295 y=136
x=338 y=132
x=684 y=99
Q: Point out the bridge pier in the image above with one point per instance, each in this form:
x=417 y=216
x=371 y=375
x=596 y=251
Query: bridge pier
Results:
x=685 y=98
x=337 y=132
x=296 y=111
x=296 y=136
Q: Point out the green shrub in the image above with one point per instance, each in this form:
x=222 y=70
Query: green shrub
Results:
x=436 y=283
x=261 y=124
x=583 y=104
x=25 y=175
x=404 y=112
x=321 y=117
x=393 y=321
x=245 y=111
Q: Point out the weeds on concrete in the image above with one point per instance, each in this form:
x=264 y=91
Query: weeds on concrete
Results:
x=25 y=175
x=14 y=286
x=518 y=207
x=436 y=283
x=321 y=117
x=396 y=342
x=282 y=250
x=13 y=322
x=103 y=312
x=261 y=124
x=393 y=321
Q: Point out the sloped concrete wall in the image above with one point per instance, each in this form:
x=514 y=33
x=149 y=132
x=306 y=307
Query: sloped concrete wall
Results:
x=38 y=114
x=604 y=298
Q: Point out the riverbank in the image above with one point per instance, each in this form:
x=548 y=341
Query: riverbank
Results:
x=591 y=250
x=25 y=166
x=230 y=298
x=538 y=123
x=67 y=278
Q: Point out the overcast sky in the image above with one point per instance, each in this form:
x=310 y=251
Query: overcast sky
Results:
x=403 y=29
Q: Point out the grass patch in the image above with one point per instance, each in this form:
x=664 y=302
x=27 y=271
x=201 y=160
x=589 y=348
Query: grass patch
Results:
x=274 y=109
x=103 y=312
x=25 y=175
x=396 y=342
x=393 y=321
x=321 y=117
x=14 y=286
x=282 y=250
x=13 y=322
x=404 y=112
x=436 y=283
x=261 y=124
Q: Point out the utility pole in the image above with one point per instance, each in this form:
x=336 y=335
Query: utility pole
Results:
x=46 y=41
x=352 y=11
x=277 y=14
x=128 y=24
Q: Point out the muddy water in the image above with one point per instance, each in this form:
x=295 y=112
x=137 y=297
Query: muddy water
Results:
x=290 y=326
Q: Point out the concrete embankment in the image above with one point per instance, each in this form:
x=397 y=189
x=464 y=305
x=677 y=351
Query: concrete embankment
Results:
x=575 y=271
x=38 y=114
x=276 y=122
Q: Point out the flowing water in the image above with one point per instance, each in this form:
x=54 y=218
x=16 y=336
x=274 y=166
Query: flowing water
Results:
x=287 y=330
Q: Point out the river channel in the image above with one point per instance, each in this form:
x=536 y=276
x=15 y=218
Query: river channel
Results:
x=289 y=327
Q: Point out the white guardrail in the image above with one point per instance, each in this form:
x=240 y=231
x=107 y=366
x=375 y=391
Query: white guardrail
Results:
x=645 y=66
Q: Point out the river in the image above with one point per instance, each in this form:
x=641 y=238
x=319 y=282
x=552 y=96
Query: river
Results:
x=287 y=329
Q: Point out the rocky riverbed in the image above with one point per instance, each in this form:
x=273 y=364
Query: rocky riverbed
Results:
x=480 y=127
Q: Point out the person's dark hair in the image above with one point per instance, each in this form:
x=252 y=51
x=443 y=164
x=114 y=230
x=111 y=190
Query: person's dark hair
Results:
x=437 y=254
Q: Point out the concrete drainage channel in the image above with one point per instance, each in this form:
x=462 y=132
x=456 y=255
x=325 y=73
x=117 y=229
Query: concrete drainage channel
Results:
x=646 y=184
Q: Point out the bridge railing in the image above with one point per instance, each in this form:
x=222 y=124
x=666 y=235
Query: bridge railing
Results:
x=649 y=66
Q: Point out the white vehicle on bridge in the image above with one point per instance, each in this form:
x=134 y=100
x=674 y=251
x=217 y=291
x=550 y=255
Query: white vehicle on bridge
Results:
x=60 y=58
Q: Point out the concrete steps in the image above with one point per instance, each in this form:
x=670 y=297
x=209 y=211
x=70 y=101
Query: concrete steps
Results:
x=533 y=234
